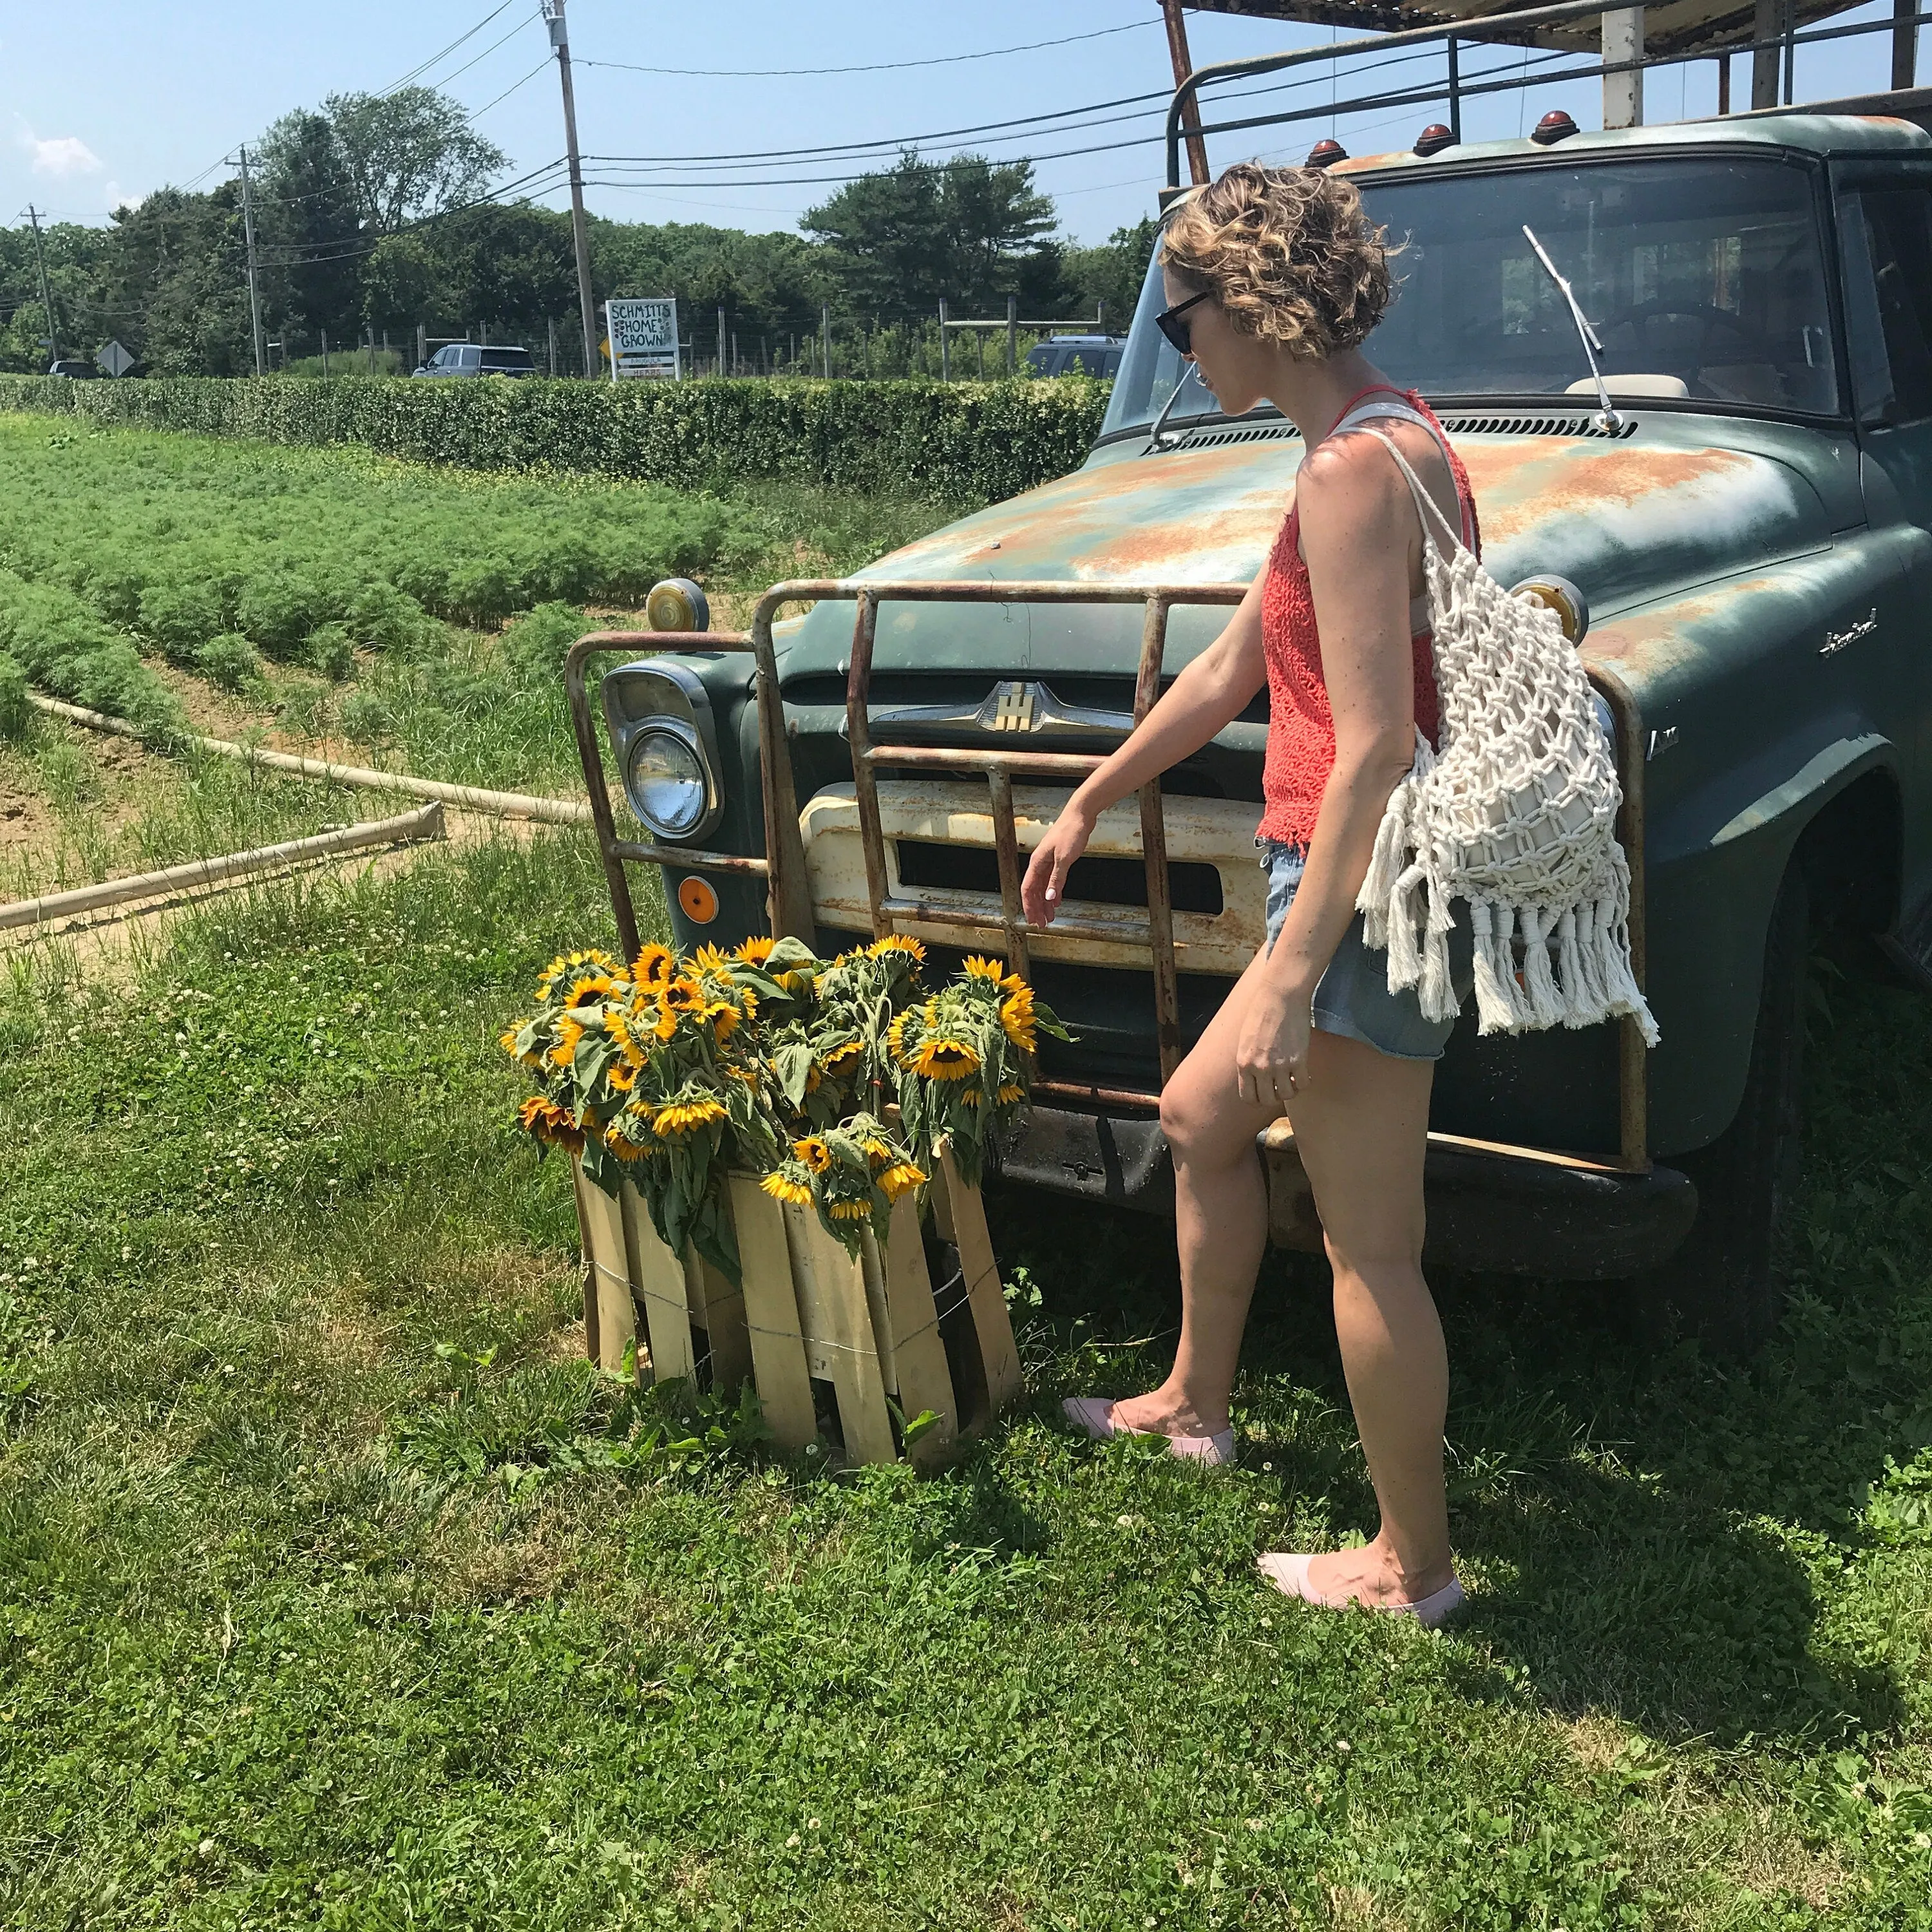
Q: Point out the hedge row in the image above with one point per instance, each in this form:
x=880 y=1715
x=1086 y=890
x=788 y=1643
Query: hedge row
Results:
x=961 y=441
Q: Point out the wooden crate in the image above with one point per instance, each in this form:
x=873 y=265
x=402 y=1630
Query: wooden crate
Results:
x=870 y=1327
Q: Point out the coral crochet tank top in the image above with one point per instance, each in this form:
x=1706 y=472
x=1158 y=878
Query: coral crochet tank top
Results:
x=1301 y=726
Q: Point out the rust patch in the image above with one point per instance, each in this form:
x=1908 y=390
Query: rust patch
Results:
x=1650 y=642
x=1518 y=484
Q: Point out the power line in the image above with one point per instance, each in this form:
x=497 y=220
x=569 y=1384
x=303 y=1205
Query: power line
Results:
x=475 y=112
x=488 y=51
x=875 y=66
x=416 y=73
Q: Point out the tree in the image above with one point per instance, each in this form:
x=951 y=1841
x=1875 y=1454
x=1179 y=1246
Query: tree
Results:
x=1113 y=272
x=312 y=237
x=970 y=229
x=174 y=282
x=509 y=267
x=410 y=154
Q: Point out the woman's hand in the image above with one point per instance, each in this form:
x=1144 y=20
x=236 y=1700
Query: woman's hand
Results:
x=1052 y=859
x=1272 y=1054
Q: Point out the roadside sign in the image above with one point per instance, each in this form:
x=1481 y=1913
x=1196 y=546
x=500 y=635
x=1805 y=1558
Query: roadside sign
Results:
x=643 y=337
x=112 y=357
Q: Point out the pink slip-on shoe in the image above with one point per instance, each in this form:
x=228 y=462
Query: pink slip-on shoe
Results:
x=1094 y=1415
x=1289 y=1575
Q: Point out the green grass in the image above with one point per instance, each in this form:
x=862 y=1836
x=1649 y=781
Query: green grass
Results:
x=336 y=1591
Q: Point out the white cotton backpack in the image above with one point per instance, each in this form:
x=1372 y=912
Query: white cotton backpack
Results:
x=1514 y=812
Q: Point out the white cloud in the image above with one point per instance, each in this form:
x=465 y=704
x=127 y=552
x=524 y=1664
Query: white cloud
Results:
x=116 y=198
x=63 y=155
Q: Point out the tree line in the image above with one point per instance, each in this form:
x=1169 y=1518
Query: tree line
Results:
x=376 y=217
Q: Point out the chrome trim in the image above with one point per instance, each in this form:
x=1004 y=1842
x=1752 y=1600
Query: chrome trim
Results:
x=662 y=695
x=1019 y=705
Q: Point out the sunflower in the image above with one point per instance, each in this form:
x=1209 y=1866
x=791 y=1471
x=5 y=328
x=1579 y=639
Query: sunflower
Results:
x=842 y=1059
x=896 y=942
x=1012 y=1091
x=895 y=1039
x=617 y=1025
x=896 y=1180
x=623 y=1077
x=623 y=1146
x=849 y=1211
x=568 y=1033
x=881 y=1153
x=945 y=1059
x=781 y=1187
x=710 y=959
x=813 y=1152
x=1016 y=1018
x=655 y=966
x=549 y=1122
x=724 y=1017
x=587 y=987
x=568 y=962
x=977 y=968
x=679 y=1117
x=664 y=1021
x=754 y=952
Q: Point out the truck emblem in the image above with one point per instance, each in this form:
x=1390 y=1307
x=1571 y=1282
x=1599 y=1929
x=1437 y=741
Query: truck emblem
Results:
x=1837 y=640
x=1014 y=706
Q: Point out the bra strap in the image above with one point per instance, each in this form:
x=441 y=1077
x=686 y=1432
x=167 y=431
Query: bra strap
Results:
x=1426 y=505
x=1357 y=417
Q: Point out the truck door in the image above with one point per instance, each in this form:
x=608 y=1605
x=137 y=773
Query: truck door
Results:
x=1885 y=232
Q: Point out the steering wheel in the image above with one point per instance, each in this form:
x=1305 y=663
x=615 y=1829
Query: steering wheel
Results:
x=1752 y=336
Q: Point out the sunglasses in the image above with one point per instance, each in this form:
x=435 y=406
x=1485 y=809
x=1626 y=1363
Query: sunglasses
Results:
x=1178 y=332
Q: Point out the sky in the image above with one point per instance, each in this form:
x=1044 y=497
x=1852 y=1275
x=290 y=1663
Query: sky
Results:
x=142 y=94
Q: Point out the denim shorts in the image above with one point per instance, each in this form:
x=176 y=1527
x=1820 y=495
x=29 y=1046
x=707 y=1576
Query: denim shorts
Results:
x=1353 y=998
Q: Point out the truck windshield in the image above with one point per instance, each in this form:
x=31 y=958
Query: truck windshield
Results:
x=1704 y=277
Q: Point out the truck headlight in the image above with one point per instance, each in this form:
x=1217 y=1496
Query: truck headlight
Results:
x=664 y=778
x=665 y=743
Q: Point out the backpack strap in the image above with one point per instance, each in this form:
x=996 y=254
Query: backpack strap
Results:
x=1426 y=505
x=1386 y=408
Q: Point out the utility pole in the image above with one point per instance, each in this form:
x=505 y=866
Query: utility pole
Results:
x=560 y=38
x=825 y=336
x=46 y=294
x=254 y=291
x=1190 y=111
x=722 y=370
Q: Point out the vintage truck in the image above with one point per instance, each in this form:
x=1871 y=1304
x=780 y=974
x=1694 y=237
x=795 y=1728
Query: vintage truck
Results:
x=1747 y=521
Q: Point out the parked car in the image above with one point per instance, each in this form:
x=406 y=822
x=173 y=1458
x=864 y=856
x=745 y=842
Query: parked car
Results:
x=1076 y=355
x=1750 y=521
x=69 y=365
x=471 y=358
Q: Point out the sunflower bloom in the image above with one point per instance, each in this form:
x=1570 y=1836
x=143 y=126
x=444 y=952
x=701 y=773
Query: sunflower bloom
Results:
x=683 y=995
x=550 y=1122
x=664 y=1022
x=813 y=1152
x=1012 y=1091
x=895 y=1181
x=655 y=966
x=849 y=1211
x=880 y=1152
x=896 y=942
x=724 y=1017
x=895 y=1039
x=754 y=952
x=680 y=1117
x=1016 y=1018
x=568 y=1033
x=623 y=1146
x=841 y=1059
x=782 y=1187
x=587 y=987
x=710 y=959
x=946 y=1059
x=623 y=1077
x=977 y=968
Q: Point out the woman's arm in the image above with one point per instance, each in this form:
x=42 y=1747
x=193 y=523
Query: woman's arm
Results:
x=1360 y=538
x=1207 y=695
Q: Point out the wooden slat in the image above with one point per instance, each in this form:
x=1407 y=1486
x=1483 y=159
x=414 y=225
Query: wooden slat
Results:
x=719 y=1308
x=771 y=1314
x=604 y=1251
x=998 y=1354
x=837 y=1321
x=919 y=1353
x=658 y=1279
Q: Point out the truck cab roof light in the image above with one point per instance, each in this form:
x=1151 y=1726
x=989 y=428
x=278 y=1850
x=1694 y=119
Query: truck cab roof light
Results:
x=1434 y=139
x=1325 y=154
x=1554 y=127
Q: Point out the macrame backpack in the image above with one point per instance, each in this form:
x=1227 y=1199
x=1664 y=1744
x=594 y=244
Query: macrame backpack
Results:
x=1514 y=813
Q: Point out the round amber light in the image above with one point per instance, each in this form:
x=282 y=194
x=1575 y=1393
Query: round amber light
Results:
x=677 y=604
x=697 y=900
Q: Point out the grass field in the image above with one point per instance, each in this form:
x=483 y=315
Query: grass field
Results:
x=336 y=1590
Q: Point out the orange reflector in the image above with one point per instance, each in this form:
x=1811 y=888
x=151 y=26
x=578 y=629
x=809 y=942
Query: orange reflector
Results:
x=697 y=900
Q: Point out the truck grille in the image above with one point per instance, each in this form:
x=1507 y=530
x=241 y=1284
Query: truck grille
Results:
x=1193 y=887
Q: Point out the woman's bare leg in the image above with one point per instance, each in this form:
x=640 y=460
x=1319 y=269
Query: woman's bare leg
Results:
x=1221 y=1220
x=1361 y=1128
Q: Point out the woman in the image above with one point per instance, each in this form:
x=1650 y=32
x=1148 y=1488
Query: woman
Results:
x=1274 y=279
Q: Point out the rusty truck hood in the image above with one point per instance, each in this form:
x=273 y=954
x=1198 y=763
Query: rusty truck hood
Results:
x=1629 y=520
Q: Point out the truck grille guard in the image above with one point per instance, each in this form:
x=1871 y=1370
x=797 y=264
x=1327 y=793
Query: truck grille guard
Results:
x=788 y=896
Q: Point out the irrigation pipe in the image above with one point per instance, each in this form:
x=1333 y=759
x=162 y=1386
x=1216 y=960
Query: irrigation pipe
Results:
x=425 y=822
x=464 y=798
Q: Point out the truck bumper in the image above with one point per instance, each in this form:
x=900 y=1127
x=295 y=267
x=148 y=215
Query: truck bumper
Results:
x=1497 y=1211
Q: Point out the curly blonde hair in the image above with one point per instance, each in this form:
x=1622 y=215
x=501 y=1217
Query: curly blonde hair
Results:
x=1288 y=255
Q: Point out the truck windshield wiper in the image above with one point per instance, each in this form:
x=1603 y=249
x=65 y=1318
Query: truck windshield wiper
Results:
x=1607 y=418
x=1167 y=408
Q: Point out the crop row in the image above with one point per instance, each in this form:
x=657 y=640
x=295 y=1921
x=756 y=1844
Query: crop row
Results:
x=211 y=552
x=959 y=442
